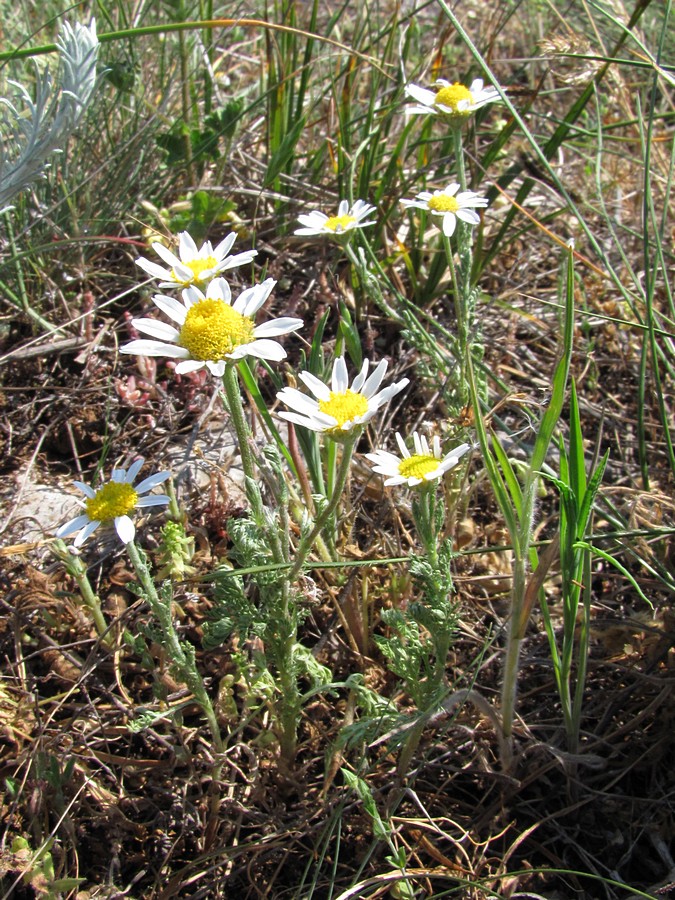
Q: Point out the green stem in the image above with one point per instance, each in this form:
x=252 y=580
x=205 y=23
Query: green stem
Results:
x=307 y=542
x=78 y=571
x=187 y=670
x=236 y=409
x=459 y=155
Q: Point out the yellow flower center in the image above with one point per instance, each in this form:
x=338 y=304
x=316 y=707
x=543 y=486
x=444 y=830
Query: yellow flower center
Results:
x=443 y=203
x=344 y=407
x=212 y=329
x=339 y=223
x=197 y=267
x=417 y=466
x=110 y=501
x=452 y=96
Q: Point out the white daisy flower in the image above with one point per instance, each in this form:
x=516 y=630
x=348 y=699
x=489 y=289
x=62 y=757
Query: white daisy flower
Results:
x=425 y=464
x=193 y=266
x=450 y=99
x=113 y=501
x=346 y=219
x=339 y=409
x=211 y=329
x=450 y=206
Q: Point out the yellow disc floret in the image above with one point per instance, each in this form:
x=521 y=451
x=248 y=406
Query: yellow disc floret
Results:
x=212 y=329
x=452 y=95
x=417 y=466
x=344 y=407
x=198 y=267
x=443 y=203
x=110 y=501
x=339 y=223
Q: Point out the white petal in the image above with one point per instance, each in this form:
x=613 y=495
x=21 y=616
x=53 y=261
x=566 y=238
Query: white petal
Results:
x=240 y=259
x=315 y=219
x=125 y=529
x=189 y=365
x=308 y=231
x=173 y=308
x=420 y=110
x=217 y=369
x=469 y=216
x=375 y=379
x=85 y=488
x=249 y=301
x=86 y=532
x=340 y=379
x=357 y=384
x=224 y=247
x=187 y=249
x=284 y=325
x=402 y=446
x=133 y=471
x=219 y=289
x=387 y=393
x=312 y=424
x=298 y=401
x=153 y=500
x=449 y=223
x=152 y=268
x=155 y=328
x=164 y=253
x=343 y=208
x=422 y=95
x=261 y=349
x=320 y=390
x=72 y=526
x=152 y=481
x=155 y=348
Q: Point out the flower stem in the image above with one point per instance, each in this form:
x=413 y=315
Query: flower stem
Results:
x=183 y=661
x=76 y=568
x=308 y=540
x=236 y=409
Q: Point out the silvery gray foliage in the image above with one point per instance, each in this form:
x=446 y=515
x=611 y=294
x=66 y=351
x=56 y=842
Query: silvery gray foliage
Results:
x=39 y=127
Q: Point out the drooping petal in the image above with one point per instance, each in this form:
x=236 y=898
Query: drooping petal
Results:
x=189 y=365
x=449 y=223
x=125 y=529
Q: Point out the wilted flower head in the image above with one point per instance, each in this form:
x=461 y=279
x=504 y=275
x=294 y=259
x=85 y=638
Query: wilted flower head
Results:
x=211 y=329
x=194 y=266
x=113 y=502
x=346 y=219
x=339 y=409
x=455 y=100
x=424 y=465
x=450 y=205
